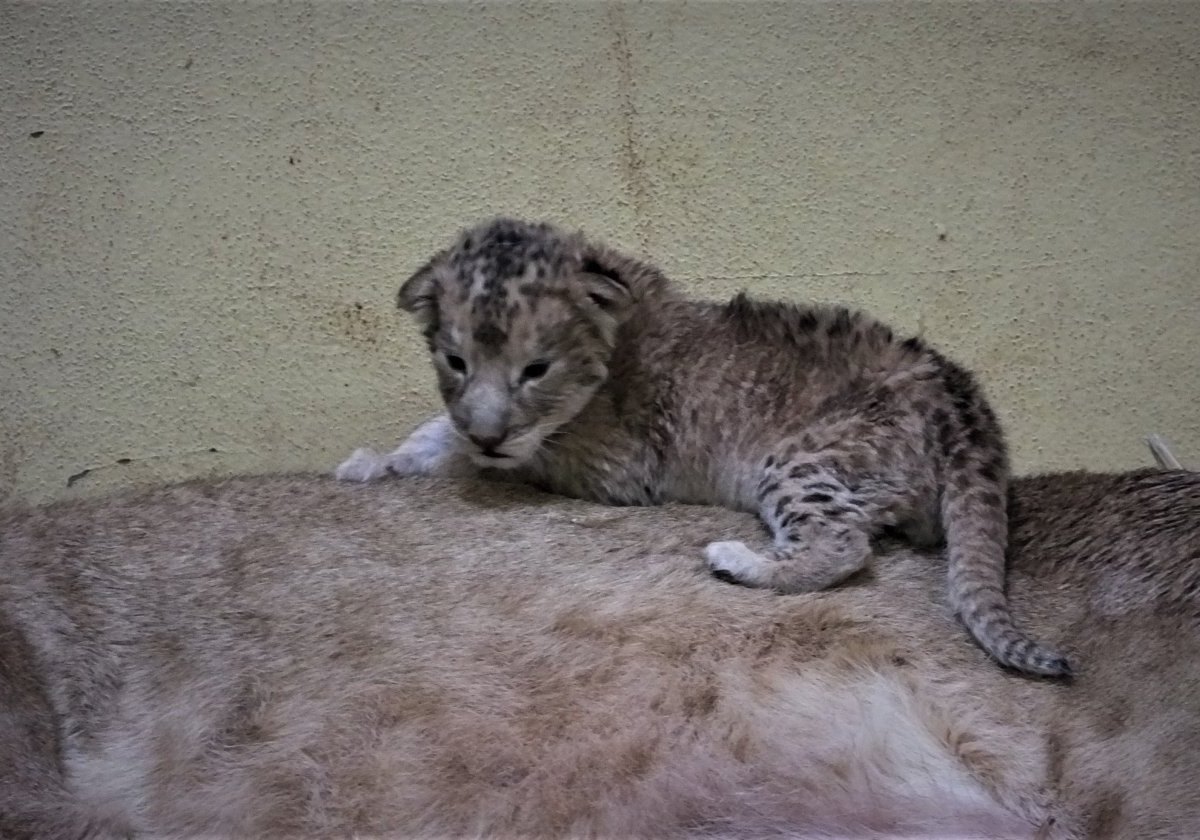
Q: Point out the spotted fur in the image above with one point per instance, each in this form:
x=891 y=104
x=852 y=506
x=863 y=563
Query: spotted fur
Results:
x=581 y=370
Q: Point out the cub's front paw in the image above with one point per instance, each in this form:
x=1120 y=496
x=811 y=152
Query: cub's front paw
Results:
x=736 y=562
x=433 y=449
x=363 y=465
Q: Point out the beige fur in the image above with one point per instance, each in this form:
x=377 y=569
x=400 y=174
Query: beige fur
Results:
x=298 y=657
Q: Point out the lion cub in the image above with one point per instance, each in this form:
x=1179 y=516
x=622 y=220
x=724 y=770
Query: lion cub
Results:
x=584 y=371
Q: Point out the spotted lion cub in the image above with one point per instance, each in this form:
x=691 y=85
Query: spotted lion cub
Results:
x=584 y=371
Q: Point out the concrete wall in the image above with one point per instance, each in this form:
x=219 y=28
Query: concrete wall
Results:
x=206 y=208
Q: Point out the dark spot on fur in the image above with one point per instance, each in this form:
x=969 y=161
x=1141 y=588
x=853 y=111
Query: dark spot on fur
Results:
x=990 y=499
x=782 y=505
x=723 y=575
x=840 y=325
x=959 y=384
x=946 y=437
x=794 y=518
x=702 y=703
x=489 y=335
x=977 y=437
x=768 y=489
x=773 y=322
x=806 y=322
x=1105 y=815
x=816 y=498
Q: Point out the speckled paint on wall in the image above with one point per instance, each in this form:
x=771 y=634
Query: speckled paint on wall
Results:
x=208 y=208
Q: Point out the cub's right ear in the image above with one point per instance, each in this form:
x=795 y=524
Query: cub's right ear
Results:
x=419 y=293
x=605 y=285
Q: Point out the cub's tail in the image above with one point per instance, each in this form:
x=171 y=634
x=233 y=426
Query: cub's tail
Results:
x=974 y=512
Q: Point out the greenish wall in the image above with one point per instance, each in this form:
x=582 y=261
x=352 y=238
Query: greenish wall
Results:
x=202 y=245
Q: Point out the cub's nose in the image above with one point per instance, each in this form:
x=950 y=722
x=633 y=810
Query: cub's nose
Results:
x=486 y=443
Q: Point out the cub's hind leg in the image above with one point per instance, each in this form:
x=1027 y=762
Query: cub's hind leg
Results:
x=822 y=507
x=822 y=536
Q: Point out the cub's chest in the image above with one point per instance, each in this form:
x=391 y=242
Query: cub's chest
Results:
x=618 y=468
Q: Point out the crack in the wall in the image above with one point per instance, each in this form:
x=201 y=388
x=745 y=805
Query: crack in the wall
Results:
x=122 y=462
x=8 y=471
x=633 y=165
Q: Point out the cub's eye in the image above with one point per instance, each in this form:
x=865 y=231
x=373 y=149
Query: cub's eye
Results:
x=456 y=363
x=534 y=371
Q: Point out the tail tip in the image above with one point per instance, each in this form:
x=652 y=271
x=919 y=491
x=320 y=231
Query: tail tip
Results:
x=1047 y=664
x=1060 y=666
x=1028 y=657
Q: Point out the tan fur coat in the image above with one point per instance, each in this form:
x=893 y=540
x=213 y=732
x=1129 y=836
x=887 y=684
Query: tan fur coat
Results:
x=290 y=656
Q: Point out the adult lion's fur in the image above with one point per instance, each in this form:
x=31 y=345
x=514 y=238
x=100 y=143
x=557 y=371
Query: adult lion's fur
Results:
x=290 y=656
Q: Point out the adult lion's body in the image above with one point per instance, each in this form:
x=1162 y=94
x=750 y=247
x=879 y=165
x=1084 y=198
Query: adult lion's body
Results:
x=293 y=656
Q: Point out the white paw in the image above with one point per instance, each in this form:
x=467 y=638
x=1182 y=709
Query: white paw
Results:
x=363 y=465
x=430 y=450
x=426 y=450
x=735 y=559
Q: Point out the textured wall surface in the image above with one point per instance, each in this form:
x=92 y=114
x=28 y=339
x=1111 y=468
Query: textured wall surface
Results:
x=206 y=208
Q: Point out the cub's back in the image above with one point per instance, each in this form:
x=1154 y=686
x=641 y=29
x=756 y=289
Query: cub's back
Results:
x=769 y=361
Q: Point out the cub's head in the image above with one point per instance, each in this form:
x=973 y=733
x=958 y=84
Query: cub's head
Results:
x=521 y=320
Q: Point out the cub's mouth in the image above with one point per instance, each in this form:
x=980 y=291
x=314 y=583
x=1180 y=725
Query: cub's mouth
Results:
x=513 y=450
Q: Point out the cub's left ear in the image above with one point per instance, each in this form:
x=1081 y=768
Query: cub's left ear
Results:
x=605 y=284
x=617 y=283
x=419 y=293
